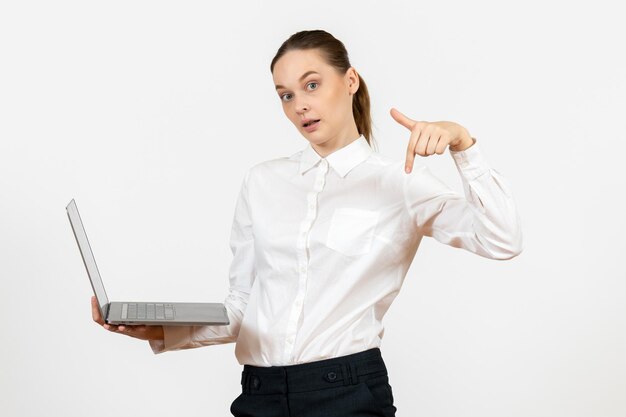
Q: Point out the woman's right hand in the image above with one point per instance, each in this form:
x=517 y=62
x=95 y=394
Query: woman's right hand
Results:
x=142 y=331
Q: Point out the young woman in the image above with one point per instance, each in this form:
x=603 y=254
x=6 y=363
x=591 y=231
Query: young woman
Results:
x=322 y=241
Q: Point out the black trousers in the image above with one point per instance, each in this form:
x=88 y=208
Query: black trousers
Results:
x=355 y=385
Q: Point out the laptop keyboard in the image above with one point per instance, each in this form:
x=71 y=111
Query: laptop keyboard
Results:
x=149 y=311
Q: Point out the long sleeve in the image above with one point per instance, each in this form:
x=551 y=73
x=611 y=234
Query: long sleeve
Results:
x=485 y=221
x=242 y=273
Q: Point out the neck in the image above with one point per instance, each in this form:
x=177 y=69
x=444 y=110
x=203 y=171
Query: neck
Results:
x=331 y=145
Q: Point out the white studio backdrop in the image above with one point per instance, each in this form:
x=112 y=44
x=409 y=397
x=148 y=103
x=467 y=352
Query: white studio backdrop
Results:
x=148 y=113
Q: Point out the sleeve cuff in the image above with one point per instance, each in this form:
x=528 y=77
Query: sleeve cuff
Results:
x=470 y=162
x=157 y=346
x=175 y=337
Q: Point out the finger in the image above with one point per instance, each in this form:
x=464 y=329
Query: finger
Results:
x=410 y=150
x=432 y=143
x=131 y=328
x=442 y=144
x=137 y=331
x=115 y=328
x=110 y=327
x=95 y=311
x=402 y=119
x=420 y=148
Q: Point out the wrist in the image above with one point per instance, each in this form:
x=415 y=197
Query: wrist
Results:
x=158 y=333
x=462 y=144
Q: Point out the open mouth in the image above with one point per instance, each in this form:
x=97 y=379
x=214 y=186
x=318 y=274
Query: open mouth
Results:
x=311 y=123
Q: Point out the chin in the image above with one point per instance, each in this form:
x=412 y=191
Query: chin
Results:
x=317 y=140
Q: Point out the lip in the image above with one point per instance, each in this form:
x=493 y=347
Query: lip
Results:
x=303 y=121
x=310 y=128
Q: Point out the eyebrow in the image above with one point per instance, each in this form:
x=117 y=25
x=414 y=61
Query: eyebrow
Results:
x=306 y=74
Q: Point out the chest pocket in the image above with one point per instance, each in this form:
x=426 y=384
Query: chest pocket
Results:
x=351 y=230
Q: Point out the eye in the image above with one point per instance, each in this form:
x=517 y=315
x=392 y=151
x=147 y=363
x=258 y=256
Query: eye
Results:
x=282 y=97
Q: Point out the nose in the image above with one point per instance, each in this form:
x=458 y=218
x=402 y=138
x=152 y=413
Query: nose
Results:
x=301 y=106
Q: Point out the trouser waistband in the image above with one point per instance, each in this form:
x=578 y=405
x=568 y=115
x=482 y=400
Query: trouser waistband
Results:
x=326 y=373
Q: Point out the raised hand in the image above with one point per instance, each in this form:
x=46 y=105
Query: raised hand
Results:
x=428 y=138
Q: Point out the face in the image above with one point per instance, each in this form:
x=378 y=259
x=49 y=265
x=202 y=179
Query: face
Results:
x=309 y=88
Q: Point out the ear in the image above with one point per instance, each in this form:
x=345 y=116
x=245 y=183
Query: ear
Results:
x=352 y=80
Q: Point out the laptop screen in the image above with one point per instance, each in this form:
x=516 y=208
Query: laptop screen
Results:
x=88 y=259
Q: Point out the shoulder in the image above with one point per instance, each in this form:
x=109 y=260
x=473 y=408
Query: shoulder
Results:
x=279 y=166
x=275 y=165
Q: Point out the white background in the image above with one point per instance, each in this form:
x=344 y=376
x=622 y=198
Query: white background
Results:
x=148 y=113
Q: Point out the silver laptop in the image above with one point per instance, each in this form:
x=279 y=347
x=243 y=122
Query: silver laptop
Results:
x=150 y=313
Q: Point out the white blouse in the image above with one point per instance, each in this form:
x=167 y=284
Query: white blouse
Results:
x=321 y=247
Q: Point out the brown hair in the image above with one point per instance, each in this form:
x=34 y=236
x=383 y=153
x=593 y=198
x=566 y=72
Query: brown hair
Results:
x=335 y=54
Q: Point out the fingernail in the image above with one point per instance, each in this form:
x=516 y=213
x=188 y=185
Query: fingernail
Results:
x=406 y=169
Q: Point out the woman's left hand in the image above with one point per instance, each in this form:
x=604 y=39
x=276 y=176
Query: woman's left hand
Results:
x=428 y=138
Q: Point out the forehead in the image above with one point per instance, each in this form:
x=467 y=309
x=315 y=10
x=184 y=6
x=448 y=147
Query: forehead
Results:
x=291 y=66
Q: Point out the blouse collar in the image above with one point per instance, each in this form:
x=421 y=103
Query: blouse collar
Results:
x=342 y=160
